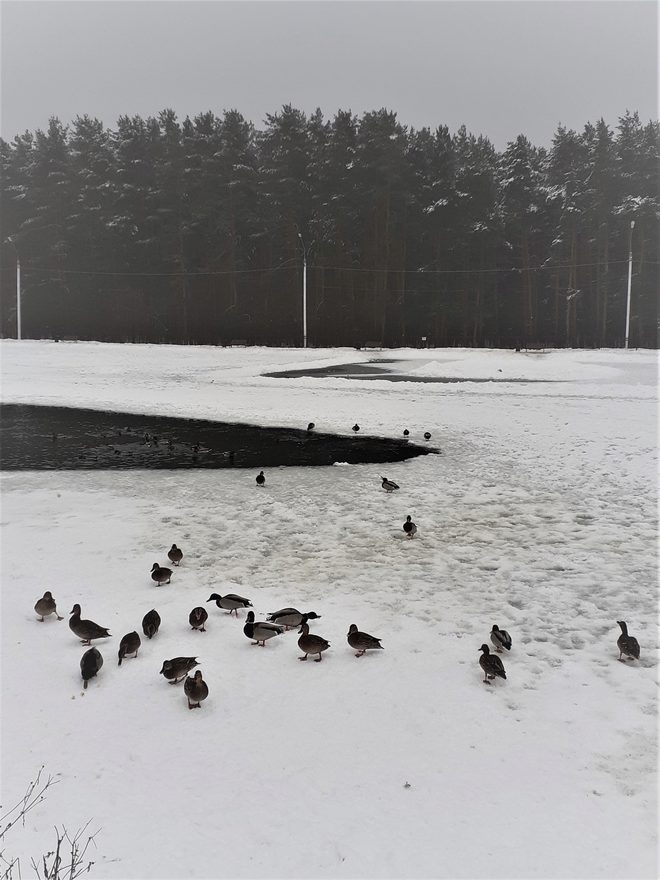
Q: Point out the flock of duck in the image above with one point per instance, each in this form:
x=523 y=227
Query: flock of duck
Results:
x=276 y=623
x=177 y=669
x=259 y=632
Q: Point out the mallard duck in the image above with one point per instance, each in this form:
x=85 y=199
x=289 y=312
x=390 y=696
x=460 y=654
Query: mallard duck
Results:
x=311 y=426
x=626 y=644
x=427 y=435
x=361 y=641
x=355 y=428
x=175 y=555
x=198 y=617
x=309 y=643
x=90 y=663
x=260 y=630
x=388 y=485
x=231 y=602
x=85 y=629
x=290 y=617
x=160 y=575
x=491 y=664
x=500 y=638
x=196 y=690
x=409 y=527
x=261 y=480
x=46 y=605
x=151 y=623
x=175 y=670
x=129 y=644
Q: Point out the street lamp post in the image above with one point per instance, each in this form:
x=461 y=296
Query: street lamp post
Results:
x=632 y=226
x=18 y=288
x=304 y=301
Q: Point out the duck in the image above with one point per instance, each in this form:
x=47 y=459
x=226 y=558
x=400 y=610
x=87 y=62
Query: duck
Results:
x=160 y=575
x=261 y=631
x=86 y=629
x=151 y=623
x=198 y=617
x=261 y=480
x=626 y=644
x=388 y=485
x=491 y=664
x=176 y=669
x=355 y=428
x=409 y=527
x=311 y=426
x=129 y=644
x=427 y=435
x=90 y=663
x=406 y=432
x=362 y=641
x=231 y=602
x=290 y=617
x=500 y=638
x=46 y=605
x=195 y=690
x=175 y=555
x=309 y=643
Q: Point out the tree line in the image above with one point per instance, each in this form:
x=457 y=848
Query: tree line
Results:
x=195 y=232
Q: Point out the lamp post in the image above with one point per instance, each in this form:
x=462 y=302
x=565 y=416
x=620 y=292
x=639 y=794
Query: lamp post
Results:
x=18 y=288
x=304 y=301
x=632 y=226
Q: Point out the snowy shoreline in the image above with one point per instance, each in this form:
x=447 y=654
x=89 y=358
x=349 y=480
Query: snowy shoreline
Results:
x=540 y=516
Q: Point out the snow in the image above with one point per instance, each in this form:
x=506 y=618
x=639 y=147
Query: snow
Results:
x=540 y=516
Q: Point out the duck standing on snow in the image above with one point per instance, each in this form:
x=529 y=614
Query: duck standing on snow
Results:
x=355 y=428
x=500 y=638
x=175 y=555
x=129 y=644
x=46 y=605
x=427 y=435
x=362 y=641
x=260 y=630
x=409 y=527
x=231 y=602
x=198 y=617
x=406 y=432
x=195 y=690
x=86 y=629
x=176 y=669
x=491 y=665
x=626 y=644
x=90 y=663
x=309 y=643
x=311 y=426
x=261 y=480
x=160 y=574
x=389 y=485
x=151 y=623
x=290 y=617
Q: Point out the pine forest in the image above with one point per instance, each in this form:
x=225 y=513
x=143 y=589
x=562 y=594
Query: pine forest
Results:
x=198 y=231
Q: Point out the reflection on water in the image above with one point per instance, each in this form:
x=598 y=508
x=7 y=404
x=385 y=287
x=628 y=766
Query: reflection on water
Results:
x=46 y=438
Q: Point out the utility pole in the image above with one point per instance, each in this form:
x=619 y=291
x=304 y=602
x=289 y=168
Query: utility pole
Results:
x=632 y=226
x=304 y=301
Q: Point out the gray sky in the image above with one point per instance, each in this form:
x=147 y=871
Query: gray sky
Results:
x=501 y=67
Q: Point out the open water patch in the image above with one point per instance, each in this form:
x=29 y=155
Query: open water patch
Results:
x=371 y=371
x=63 y=438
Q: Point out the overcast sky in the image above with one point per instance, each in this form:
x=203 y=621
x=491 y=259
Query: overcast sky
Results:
x=501 y=67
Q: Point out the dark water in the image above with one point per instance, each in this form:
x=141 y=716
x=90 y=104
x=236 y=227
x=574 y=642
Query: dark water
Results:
x=58 y=438
x=369 y=371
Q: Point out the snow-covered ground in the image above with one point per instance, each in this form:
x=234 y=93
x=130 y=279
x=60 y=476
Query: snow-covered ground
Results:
x=539 y=516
